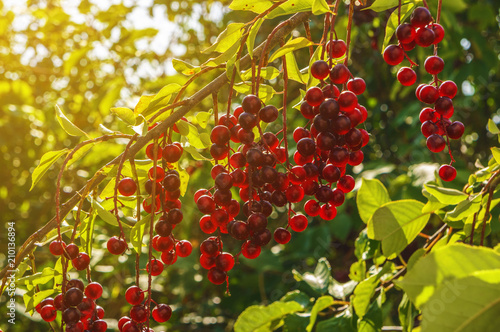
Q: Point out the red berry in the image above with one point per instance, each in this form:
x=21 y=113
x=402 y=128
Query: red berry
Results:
x=328 y=212
x=251 y=104
x=282 y=236
x=81 y=262
x=447 y=172
x=428 y=128
x=356 y=85
x=250 y=250
x=116 y=246
x=393 y=55
x=99 y=326
x=405 y=33
x=448 y=89
x=425 y=37
x=155 y=267
x=436 y=143
x=48 y=313
x=224 y=261
x=428 y=94
x=169 y=257
x=127 y=187
x=438 y=33
x=443 y=106
x=314 y=96
x=339 y=74
x=337 y=48
x=134 y=295
x=56 y=247
x=298 y=223
x=406 y=76
x=138 y=313
x=320 y=69
x=93 y=290
x=162 y=313
x=455 y=130
x=346 y=183
x=220 y=135
x=171 y=153
x=217 y=276
x=433 y=65
x=150 y=153
x=183 y=248
x=338 y=197
x=420 y=17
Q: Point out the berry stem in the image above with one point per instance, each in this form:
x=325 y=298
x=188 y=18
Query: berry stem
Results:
x=308 y=35
x=332 y=30
x=325 y=35
x=349 y=26
x=151 y=226
x=117 y=182
x=285 y=88
x=264 y=52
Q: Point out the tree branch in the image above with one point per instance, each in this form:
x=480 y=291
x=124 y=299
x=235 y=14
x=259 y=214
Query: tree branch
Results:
x=189 y=104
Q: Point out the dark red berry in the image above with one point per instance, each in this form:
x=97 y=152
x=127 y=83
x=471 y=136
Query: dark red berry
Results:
x=447 y=172
x=393 y=55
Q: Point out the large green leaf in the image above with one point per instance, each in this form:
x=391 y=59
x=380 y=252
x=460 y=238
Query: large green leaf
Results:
x=446 y=195
x=470 y=304
x=397 y=224
x=442 y=266
x=47 y=160
x=340 y=323
x=293 y=70
x=407 y=313
x=259 y=318
x=363 y=294
x=252 y=34
x=161 y=99
x=381 y=5
x=125 y=114
x=320 y=304
x=87 y=233
x=256 y=6
x=371 y=195
x=67 y=125
x=320 y=7
x=464 y=209
x=184 y=67
x=227 y=38
x=137 y=233
x=291 y=45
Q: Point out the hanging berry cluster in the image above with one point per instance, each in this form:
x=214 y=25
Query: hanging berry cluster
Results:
x=424 y=31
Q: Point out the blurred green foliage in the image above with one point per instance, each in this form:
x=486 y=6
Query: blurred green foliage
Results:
x=87 y=57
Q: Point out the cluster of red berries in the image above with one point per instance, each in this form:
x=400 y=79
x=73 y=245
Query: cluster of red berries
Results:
x=78 y=307
x=424 y=32
x=139 y=312
x=80 y=260
x=323 y=151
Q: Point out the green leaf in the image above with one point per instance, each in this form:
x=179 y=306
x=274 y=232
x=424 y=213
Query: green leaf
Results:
x=320 y=304
x=381 y=5
x=371 y=195
x=446 y=195
x=372 y=320
x=137 y=233
x=39 y=278
x=442 y=266
x=392 y=23
x=47 y=160
x=224 y=57
x=496 y=154
x=194 y=153
x=291 y=45
x=364 y=247
x=267 y=73
x=291 y=7
x=125 y=114
x=184 y=67
x=320 y=7
x=407 y=313
x=183 y=127
x=143 y=102
x=492 y=127
x=340 y=323
x=468 y=305
x=297 y=296
x=227 y=38
x=87 y=233
x=256 y=6
x=107 y=216
x=32 y=301
x=363 y=294
x=161 y=99
x=464 y=209
x=357 y=271
x=67 y=125
x=292 y=69
x=202 y=118
x=260 y=317
x=252 y=34
x=397 y=224
x=320 y=279
x=266 y=92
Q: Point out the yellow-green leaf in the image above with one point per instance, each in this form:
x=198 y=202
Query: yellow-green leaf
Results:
x=252 y=34
x=47 y=160
x=67 y=125
x=291 y=45
x=227 y=38
x=320 y=7
x=125 y=114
